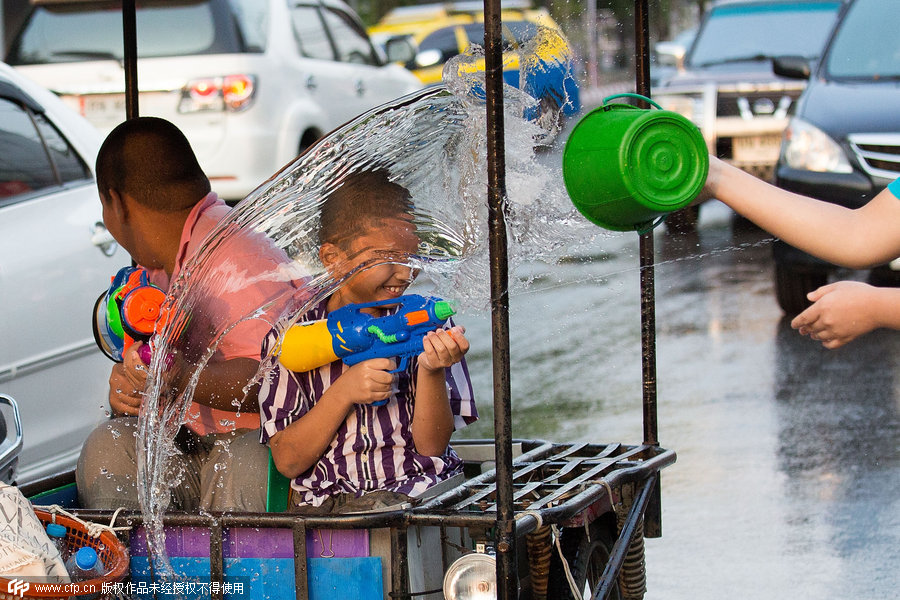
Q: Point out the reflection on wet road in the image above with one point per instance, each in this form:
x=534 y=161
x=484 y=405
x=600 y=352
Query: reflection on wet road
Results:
x=788 y=474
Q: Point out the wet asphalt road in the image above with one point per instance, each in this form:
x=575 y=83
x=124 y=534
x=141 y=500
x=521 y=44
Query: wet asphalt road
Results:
x=788 y=472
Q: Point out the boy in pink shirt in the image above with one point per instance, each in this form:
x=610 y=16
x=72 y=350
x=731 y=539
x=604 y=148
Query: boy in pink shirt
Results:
x=158 y=205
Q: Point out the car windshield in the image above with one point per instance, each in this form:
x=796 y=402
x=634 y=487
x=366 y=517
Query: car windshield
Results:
x=865 y=46
x=759 y=31
x=54 y=33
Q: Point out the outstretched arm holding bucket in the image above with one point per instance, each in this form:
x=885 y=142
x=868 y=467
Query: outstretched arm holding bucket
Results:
x=855 y=238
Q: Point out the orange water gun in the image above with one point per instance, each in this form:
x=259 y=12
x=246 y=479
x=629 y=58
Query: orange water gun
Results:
x=127 y=312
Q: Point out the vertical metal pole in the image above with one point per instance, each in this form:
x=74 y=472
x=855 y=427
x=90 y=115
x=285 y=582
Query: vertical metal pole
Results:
x=507 y=582
x=129 y=54
x=216 y=562
x=301 y=582
x=591 y=26
x=648 y=309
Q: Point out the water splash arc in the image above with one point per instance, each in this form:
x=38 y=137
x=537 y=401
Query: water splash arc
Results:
x=430 y=143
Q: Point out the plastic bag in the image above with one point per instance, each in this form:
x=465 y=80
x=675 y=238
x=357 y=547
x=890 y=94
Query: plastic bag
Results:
x=26 y=550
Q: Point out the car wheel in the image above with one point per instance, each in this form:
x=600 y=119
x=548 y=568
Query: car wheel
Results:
x=309 y=138
x=792 y=286
x=587 y=557
x=884 y=276
x=684 y=220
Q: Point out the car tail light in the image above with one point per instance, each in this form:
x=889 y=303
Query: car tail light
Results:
x=237 y=90
x=231 y=92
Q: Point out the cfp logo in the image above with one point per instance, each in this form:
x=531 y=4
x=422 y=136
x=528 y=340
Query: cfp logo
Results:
x=17 y=587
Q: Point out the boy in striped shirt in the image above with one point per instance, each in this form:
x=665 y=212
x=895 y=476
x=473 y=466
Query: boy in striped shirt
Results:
x=342 y=453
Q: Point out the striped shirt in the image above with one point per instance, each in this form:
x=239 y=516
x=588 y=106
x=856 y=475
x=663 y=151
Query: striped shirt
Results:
x=373 y=449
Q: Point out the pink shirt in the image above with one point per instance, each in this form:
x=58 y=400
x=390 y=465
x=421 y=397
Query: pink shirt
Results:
x=245 y=339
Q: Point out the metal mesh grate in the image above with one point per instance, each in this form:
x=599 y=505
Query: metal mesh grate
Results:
x=546 y=476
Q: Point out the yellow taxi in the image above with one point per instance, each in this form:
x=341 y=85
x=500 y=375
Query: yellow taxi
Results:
x=425 y=37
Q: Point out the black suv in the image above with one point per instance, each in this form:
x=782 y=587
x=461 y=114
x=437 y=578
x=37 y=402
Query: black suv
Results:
x=843 y=143
x=726 y=85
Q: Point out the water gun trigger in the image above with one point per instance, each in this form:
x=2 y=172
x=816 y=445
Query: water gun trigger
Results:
x=404 y=362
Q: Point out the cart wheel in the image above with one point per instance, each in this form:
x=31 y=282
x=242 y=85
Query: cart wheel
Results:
x=792 y=285
x=587 y=559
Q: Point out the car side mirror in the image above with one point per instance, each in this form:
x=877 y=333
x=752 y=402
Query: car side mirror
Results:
x=670 y=54
x=10 y=445
x=792 y=67
x=400 y=49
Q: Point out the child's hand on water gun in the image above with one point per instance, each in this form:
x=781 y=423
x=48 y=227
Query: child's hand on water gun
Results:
x=127 y=382
x=367 y=382
x=443 y=348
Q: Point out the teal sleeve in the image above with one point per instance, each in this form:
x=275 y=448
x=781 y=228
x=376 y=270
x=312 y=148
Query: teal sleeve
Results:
x=894 y=187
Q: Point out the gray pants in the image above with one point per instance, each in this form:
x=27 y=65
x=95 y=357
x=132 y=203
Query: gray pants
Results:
x=224 y=472
x=375 y=501
x=340 y=504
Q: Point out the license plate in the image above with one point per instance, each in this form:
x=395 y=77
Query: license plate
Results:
x=757 y=148
x=99 y=109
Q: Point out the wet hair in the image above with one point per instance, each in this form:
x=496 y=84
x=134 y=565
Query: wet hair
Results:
x=151 y=160
x=359 y=205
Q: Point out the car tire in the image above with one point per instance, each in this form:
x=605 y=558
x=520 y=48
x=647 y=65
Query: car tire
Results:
x=792 y=286
x=683 y=221
x=883 y=276
x=308 y=140
x=587 y=557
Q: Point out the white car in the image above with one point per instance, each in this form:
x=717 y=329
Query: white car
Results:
x=252 y=83
x=56 y=257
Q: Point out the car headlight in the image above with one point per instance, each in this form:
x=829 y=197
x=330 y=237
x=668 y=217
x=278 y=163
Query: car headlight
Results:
x=808 y=148
x=471 y=577
x=688 y=106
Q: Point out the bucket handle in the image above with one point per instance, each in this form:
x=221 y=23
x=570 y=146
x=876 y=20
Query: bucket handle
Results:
x=651 y=225
x=631 y=95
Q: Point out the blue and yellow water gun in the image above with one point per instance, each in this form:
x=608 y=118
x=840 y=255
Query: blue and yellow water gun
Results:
x=353 y=336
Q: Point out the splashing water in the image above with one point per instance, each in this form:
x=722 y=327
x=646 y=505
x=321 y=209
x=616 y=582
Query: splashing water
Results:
x=433 y=144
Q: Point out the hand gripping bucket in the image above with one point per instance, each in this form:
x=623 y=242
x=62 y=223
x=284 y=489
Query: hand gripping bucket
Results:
x=626 y=168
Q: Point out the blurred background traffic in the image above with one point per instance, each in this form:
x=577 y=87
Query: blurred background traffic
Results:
x=789 y=450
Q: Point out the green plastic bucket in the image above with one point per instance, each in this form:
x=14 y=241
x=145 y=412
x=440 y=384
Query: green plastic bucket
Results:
x=626 y=168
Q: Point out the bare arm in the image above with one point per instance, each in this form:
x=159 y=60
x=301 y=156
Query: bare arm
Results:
x=432 y=423
x=221 y=385
x=301 y=444
x=858 y=238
